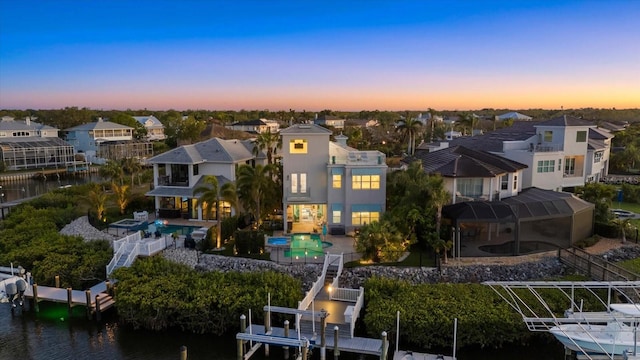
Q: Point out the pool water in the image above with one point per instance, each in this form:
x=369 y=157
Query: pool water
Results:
x=306 y=245
x=180 y=229
x=278 y=241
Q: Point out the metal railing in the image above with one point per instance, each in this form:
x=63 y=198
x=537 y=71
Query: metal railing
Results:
x=594 y=266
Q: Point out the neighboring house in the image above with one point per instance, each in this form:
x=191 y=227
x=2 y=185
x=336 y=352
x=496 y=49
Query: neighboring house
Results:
x=257 y=126
x=473 y=175
x=155 y=129
x=560 y=153
x=425 y=119
x=361 y=123
x=104 y=140
x=533 y=221
x=330 y=120
x=611 y=126
x=26 y=144
x=329 y=182
x=176 y=173
x=515 y=116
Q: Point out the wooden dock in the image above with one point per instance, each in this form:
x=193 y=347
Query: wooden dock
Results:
x=96 y=299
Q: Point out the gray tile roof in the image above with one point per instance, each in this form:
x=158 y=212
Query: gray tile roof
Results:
x=460 y=161
x=21 y=125
x=214 y=150
x=99 y=125
x=599 y=134
x=249 y=122
x=306 y=129
x=567 y=120
x=493 y=141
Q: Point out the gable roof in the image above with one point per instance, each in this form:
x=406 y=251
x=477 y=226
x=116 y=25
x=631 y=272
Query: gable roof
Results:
x=10 y=124
x=143 y=120
x=460 y=161
x=214 y=150
x=514 y=115
x=306 y=129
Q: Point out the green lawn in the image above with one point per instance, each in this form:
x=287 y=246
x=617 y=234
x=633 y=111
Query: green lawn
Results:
x=626 y=206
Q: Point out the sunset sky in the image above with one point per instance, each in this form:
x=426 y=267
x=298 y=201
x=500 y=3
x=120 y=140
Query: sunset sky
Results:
x=314 y=55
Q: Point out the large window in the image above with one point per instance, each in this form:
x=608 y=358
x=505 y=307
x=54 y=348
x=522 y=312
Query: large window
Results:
x=364 y=217
x=299 y=183
x=570 y=166
x=504 y=182
x=515 y=182
x=597 y=157
x=336 y=181
x=336 y=216
x=469 y=187
x=365 y=182
x=546 y=166
x=548 y=136
x=298 y=146
x=581 y=136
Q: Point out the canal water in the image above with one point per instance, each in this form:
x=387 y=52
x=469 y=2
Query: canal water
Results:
x=51 y=335
x=16 y=190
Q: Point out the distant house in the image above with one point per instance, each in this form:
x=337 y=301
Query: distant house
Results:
x=330 y=120
x=155 y=129
x=361 y=123
x=516 y=116
x=26 y=144
x=104 y=140
x=425 y=119
x=176 y=173
x=257 y=126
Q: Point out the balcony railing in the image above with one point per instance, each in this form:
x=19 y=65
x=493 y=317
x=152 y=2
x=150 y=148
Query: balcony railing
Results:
x=299 y=196
x=486 y=197
x=546 y=148
x=168 y=181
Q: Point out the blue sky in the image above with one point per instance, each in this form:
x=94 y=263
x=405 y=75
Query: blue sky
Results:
x=340 y=55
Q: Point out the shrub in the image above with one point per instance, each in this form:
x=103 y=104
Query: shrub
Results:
x=249 y=241
x=606 y=230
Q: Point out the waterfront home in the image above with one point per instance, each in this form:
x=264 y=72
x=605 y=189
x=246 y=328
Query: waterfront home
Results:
x=26 y=144
x=256 y=126
x=155 y=129
x=328 y=182
x=103 y=140
x=176 y=173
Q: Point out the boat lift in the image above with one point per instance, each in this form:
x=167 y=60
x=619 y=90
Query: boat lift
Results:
x=531 y=300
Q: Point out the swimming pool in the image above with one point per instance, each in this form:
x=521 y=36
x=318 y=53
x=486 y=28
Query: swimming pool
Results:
x=281 y=240
x=179 y=229
x=306 y=245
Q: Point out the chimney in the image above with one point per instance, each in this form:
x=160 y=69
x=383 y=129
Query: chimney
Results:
x=341 y=139
x=27 y=120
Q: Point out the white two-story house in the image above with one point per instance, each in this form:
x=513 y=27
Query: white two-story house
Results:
x=104 y=140
x=176 y=173
x=257 y=126
x=329 y=182
x=155 y=129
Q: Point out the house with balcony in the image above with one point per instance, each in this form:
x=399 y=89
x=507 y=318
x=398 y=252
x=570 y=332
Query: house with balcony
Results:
x=328 y=182
x=560 y=153
x=26 y=144
x=155 y=129
x=256 y=126
x=330 y=120
x=178 y=172
x=103 y=140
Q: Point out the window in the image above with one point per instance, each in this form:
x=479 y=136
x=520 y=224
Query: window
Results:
x=504 y=182
x=336 y=180
x=299 y=183
x=581 y=136
x=515 y=182
x=597 y=157
x=546 y=166
x=336 y=216
x=559 y=164
x=196 y=170
x=469 y=187
x=364 y=217
x=298 y=146
x=365 y=182
x=548 y=136
x=570 y=166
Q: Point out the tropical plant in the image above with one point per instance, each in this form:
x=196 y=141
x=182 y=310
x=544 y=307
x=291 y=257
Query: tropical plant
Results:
x=132 y=167
x=122 y=195
x=468 y=120
x=600 y=195
x=208 y=199
x=268 y=142
x=623 y=225
x=98 y=200
x=255 y=185
x=409 y=129
x=113 y=171
x=229 y=193
x=380 y=241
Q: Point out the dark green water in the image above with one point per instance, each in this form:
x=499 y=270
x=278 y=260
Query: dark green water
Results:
x=51 y=335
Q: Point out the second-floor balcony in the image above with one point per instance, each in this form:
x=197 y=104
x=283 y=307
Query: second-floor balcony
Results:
x=545 y=147
x=298 y=196
x=169 y=181
x=360 y=158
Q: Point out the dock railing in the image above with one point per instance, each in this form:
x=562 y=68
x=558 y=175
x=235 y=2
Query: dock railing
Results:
x=594 y=266
x=316 y=288
x=356 y=310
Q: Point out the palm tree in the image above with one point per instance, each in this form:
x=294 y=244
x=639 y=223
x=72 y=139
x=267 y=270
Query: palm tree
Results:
x=112 y=170
x=131 y=166
x=269 y=142
x=210 y=195
x=254 y=185
x=409 y=128
x=98 y=199
x=438 y=198
x=122 y=194
x=229 y=193
x=622 y=224
x=469 y=120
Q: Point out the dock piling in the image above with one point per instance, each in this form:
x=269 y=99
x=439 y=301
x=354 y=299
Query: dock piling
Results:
x=385 y=346
x=98 y=311
x=58 y=281
x=107 y=283
x=336 y=349
x=323 y=340
x=286 y=334
x=35 y=298
x=69 y=300
x=88 y=296
x=183 y=352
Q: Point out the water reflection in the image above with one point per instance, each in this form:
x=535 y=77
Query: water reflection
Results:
x=21 y=189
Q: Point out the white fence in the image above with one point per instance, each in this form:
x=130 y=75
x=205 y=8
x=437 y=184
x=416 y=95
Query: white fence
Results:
x=356 y=310
x=134 y=245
